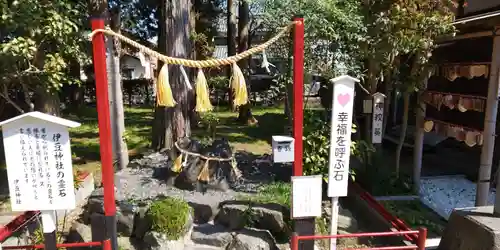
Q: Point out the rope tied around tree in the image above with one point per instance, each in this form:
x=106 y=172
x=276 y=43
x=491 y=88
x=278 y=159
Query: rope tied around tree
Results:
x=204 y=174
x=165 y=97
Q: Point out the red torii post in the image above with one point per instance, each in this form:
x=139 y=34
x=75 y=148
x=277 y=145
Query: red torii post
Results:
x=108 y=173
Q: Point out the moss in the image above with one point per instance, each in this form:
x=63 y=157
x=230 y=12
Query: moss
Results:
x=170 y=217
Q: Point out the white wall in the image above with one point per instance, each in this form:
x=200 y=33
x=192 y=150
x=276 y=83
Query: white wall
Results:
x=139 y=71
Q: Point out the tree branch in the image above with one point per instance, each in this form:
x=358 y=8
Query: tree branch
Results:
x=5 y=96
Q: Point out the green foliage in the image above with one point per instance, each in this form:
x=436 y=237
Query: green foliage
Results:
x=277 y=192
x=210 y=122
x=170 y=217
x=317 y=145
x=38 y=40
x=333 y=31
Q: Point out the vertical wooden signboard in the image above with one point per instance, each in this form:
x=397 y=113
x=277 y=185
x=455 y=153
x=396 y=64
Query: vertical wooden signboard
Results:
x=340 y=144
x=39 y=167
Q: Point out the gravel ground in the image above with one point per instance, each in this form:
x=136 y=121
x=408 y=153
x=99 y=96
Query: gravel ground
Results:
x=443 y=194
x=141 y=183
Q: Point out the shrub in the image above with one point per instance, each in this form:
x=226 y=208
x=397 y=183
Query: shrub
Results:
x=317 y=144
x=169 y=216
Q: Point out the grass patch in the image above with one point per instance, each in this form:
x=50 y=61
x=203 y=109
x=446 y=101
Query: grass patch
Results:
x=416 y=215
x=278 y=192
x=169 y=216
x=255 y=139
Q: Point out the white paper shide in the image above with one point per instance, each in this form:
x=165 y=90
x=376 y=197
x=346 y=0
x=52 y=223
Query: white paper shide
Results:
x=39 y=167
x=340 y=138
x=306 y=196
x=378 y=117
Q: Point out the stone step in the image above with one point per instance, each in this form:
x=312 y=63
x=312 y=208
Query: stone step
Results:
x=200 y=247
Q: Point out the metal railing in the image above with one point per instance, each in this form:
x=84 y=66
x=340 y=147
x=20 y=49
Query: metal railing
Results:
x=106 y=245
x=421 y=235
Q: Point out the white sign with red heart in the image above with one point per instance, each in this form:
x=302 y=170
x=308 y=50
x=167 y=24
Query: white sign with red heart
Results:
x=340 y=144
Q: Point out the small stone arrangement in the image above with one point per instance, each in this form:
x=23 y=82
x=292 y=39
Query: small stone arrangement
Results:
x=220 y=214
x=232 y=225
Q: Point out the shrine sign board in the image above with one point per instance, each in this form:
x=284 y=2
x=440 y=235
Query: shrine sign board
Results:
x=340 y=135
x=378 y=118
x=307 y=194
x=283 y=149
x=39 y=165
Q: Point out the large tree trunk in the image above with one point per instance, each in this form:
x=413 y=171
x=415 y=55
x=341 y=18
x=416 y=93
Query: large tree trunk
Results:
x=231 y=39
x=172 y=124
x=245 y=112
x=47 y=101
x=117 y=116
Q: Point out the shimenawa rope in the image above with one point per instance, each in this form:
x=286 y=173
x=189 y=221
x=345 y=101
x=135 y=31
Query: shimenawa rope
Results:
x=194 y=63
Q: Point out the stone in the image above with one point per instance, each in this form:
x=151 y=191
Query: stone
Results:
x=203 y=213
x=252 y=239
x=472 y=228
x=98 y=226
x=95 y=203
x=157 y=241
x=125 y=223
x=79 y=233
x=125 y=244
x=200 y=247
x=141 y=223
x=236 y=215
x=212 y=235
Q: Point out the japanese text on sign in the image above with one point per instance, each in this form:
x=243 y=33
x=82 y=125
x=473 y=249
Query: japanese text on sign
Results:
x=340 y=137
x=45 y=181
x=378 y=118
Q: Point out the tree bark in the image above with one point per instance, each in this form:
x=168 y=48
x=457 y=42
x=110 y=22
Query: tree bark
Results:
x=245 y=111
x=117 y=115
x=404 y=126
x=231 y=39
x=172 y=124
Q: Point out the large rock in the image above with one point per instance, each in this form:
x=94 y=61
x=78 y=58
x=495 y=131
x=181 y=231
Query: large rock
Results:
x=253 y=239
x=472 y=229
x=238 y=214
x=142 y=223
x=79 y=233
x=158 y=241
x=125 y=223
x=124 y=243
x=212 y=235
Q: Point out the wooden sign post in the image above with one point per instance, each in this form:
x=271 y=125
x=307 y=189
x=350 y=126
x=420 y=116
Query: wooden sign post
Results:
x=340 y=145
x=378 y=118
x=39 y=167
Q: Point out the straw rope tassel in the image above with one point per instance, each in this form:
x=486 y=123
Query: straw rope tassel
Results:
x=202 y=96
x=177 y=164
x=164 y=96
x=204 y=173
x=239 y=87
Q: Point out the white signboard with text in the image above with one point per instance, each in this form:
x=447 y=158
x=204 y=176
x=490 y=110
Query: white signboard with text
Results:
x=307 y=194
x=378 y=117
x=340 y=137
x=283 y=149
x=39 y=165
